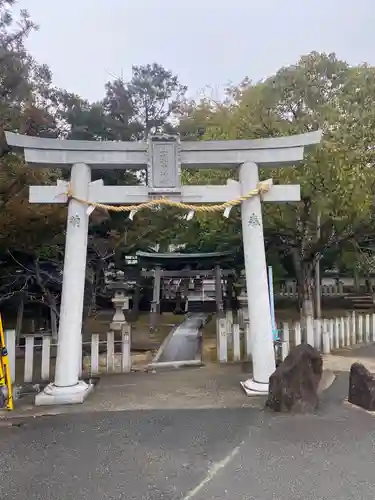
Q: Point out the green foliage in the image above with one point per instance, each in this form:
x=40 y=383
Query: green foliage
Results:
x=320 y=91
x=336 y=178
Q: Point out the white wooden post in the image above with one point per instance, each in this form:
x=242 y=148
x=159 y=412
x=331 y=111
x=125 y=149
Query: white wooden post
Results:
x=126 y=358
x=10 y=342
x=247 y=341
x=331 y=328
x=337 y=333
x=347 y=331
x=318 y=334
x=110 y=351
x=360 y=329
x=54 y=328
x=326 y=340
x=297 y=334
x=222 y=340
x=29 y=358
x=46 y=357
x=285 y=341
x=354 y=328
x=94 y=364
x=342 y=332
x=367 y=328
x=229 y=321
x=373 y=328
x=325 y=331
x=236 y=342
x=310 y=337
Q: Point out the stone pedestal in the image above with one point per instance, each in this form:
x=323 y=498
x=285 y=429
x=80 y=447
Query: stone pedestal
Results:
x=54 y=395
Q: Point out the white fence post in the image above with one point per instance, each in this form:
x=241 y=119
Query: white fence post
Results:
x=317 y=334
x=126 y=359
x=29 y=358
x=222 y=340
x=310 y=330
x=373 y=328
x=337 y=333
x=110 y=351
x=347 y=331
x=367 y=328
x=360 y=329
x=10 y=342
x=94 y=364
x=229 y=324
x=342 y=332
x=331 y=328
x=46 y=357
x=354 y=328
x=285 y=342
x=297 y=334
x=326 y=340
x=236 y=342
x=247 y=341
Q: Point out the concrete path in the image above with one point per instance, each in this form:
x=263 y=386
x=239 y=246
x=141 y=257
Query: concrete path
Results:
x=211 y=386
x=342 y=359
x=182 y=344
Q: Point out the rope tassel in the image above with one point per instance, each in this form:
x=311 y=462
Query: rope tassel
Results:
x=262 y=188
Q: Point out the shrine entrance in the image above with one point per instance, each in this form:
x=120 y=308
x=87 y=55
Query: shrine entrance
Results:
x=198 y=286
x=163 y=157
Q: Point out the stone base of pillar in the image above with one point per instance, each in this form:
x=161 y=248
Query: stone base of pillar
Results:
x=253 y=388
x=54 y=395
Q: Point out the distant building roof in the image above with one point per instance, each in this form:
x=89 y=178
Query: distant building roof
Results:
x=193 y=259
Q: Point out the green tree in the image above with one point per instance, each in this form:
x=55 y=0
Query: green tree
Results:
x=336 y=178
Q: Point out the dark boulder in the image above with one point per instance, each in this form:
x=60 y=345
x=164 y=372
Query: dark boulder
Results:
x=293 y=387
x=361 y=387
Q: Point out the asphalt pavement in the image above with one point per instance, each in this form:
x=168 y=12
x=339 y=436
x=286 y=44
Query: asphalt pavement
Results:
x=235 y=453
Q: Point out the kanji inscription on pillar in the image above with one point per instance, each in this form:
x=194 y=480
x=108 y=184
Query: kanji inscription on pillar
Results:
x=254 y=220
x=75 y=220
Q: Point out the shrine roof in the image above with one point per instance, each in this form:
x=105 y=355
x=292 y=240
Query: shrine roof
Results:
x=172 y=258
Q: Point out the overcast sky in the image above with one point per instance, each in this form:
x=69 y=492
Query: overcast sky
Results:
x=206 y=42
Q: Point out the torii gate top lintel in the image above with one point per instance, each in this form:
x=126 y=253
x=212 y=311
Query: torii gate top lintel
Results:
x=163 y=156
x=189 y=154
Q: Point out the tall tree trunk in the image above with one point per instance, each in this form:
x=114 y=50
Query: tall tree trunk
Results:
x=305 y=284
x=307 y=289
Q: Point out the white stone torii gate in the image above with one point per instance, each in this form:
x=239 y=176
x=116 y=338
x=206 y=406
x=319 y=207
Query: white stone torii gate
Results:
x=163 y=156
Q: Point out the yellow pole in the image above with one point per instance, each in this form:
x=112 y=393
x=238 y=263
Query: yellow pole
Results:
x=5 y=370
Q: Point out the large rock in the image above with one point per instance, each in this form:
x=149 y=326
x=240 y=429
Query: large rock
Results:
x=361 y=387
x=293 y=387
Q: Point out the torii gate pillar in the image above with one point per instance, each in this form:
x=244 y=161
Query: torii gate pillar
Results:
x=67 y=388
x=260 y=321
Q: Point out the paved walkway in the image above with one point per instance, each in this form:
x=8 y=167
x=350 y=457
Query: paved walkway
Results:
x=205 y=454
x=182 y=344
x=210 y=386
x=219 y=444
